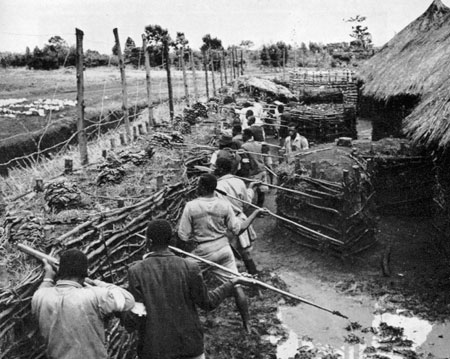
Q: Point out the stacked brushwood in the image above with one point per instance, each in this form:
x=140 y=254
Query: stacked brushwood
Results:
x=62 y=194
x=322 y=122
x=24 y=227
x=336 y=216
x=404 y=180
x=111 y=243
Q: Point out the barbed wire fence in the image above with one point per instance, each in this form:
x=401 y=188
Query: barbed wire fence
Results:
x=105 y=110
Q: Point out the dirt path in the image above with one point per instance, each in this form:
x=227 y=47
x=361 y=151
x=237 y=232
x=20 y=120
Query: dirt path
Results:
x=358 y=289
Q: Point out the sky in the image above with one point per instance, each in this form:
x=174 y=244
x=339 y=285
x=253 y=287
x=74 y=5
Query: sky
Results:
x=32 y=22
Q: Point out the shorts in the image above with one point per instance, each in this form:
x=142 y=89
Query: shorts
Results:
x=223 y=256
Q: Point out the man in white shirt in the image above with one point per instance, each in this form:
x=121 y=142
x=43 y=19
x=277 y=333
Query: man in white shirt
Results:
x=294 y=142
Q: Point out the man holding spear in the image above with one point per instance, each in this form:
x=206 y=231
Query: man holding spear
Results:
x=236 y=187
x=205 y=221
x=171 y=289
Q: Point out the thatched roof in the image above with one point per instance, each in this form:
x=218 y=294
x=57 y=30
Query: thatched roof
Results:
x=415 y=61
x=263 y=85
x=429 y=123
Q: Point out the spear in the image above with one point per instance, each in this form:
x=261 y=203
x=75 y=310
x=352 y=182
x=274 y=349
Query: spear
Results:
x=254 y=281
x=209 y=170
x=336 y=241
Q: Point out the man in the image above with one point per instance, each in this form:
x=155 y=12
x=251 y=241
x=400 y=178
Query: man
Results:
x=227 y=149
x=258 y=131
x=236 y=132
x=294 y=142
x=206 y=220
x=235 y=187
x=71 y=313
x=171 y=288
x=253 y=163
x=258 y=111
x=245 y=113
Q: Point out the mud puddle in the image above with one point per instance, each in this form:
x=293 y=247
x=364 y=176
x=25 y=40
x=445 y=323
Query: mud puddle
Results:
x=369 y=333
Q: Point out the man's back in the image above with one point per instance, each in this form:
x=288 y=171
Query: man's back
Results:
x=255 y=155
x=170 y=288
x=71 y=320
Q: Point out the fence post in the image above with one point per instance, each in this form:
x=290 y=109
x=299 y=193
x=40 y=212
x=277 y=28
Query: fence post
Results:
x=233 y=70
x=211 y=62
x=220 y=71
x=148 y=80
x=68 y=166
x=82 y=139
x=194 y=77
x=183 y=67
x=224 y=66
x=314 y=169
x=205 y=67
x=124 y=84
x=169 y=78
x=123 y=142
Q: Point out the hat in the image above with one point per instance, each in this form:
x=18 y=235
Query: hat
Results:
x=225 y=140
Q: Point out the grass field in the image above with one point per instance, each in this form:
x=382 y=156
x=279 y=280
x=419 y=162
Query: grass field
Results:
x=102 y=86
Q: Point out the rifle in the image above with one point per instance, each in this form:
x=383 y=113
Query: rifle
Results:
x=39 y=255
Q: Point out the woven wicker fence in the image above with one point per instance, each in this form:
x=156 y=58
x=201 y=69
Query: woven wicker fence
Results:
x=111 y=244
x=341 y=213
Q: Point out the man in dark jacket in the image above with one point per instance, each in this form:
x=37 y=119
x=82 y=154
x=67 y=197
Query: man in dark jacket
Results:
x=171 y=288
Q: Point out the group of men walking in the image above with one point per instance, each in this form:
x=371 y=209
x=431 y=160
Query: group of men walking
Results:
x=165 y=290
x=72 y=310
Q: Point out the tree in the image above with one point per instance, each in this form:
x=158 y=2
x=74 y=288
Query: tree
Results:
x=157 y=37
x=56 y=44
x=132 y=54
x=264 y=56
x=363 y=38
x=247 y=44
x=211 y=43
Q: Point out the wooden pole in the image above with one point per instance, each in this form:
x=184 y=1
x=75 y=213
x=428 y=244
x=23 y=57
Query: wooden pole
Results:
x=68 y=166
x=194 y=76
x=148 y=80
x=220 y=71
x=236 y=61
x=284 y=63
x=205 y=67
x=124 y=84
x=242 y=63
x=211 y=64
x=233 y=62
x=224 y=61
x=183 y=67
x=169 y=79
x=82 y=139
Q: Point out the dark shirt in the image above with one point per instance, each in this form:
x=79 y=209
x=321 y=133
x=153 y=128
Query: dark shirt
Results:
x=258 y=133
x=170 y=288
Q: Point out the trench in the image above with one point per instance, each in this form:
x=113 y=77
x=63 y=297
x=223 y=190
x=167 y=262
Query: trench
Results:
x=318 y=331
x=310 y=327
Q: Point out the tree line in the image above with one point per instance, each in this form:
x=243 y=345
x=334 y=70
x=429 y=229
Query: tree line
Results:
x=161 y=47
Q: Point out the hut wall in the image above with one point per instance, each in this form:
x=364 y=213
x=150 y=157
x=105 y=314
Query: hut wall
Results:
x=321 y=123
x=387 y=116
x=344 y=81
x=403 y=186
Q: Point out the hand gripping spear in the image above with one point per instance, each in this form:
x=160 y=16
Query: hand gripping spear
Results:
x=259 y=283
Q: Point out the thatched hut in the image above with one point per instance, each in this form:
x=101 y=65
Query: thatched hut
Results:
x=408 y=70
